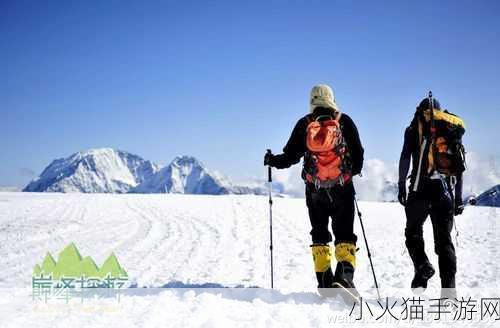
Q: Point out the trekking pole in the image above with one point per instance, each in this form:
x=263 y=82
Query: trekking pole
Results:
x=433 y=131
x=270 y=184
x=453 y=183
x=367 y=249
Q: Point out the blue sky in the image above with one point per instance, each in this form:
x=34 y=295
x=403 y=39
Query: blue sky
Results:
x=224 y=80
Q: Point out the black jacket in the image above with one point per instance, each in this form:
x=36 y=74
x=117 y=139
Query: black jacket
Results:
x=296 y=146
x=410 y=153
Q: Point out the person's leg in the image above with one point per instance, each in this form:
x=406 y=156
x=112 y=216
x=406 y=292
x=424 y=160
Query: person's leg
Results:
x=342 y=212
x=321 y=252
x=442 y=224
x=416 y=210
x=318 y=215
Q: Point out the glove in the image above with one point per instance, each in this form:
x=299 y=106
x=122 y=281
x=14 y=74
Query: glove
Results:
x=402 y=193
x=459 y=206
x=268 y=159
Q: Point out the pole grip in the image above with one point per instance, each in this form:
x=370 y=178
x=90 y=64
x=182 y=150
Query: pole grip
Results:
x=269 y=176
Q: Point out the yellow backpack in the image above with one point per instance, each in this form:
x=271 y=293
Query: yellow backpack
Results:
x=446 y=153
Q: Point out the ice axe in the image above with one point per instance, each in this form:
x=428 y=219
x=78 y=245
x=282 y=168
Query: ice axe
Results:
x=270 y=186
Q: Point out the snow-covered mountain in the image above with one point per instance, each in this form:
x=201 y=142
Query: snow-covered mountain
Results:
x=102 y=170
x=105 y=170
x=187 y=175
x=490 y=197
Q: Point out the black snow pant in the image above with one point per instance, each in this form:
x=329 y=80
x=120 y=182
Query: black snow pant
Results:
x=337 y=203
x=435 y=199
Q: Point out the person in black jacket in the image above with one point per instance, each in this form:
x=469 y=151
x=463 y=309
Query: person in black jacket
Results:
x=431 y=193
x=336 y=200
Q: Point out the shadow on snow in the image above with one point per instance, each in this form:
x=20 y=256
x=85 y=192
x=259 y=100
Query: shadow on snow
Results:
x=239 y=293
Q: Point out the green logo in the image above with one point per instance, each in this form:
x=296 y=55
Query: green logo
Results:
x=71 y=264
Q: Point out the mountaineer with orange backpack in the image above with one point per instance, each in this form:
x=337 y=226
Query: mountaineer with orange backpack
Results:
x=329 y=142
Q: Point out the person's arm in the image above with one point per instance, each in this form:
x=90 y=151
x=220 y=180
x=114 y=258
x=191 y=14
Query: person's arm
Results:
x=353 y=141
x=404 y=162
x=294 y=149
x=405 y=158
x=459 y=203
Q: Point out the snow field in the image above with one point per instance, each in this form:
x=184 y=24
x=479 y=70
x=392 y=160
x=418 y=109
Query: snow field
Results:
x=197 y=242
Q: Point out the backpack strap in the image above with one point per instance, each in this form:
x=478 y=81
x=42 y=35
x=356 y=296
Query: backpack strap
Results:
x=420 y=128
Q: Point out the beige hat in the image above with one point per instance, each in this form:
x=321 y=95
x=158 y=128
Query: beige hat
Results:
x=322 y=96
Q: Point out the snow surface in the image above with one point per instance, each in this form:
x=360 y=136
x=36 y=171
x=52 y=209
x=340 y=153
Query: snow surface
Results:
x=169 y=240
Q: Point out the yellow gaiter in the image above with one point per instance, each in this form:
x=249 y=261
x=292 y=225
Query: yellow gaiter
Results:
x=346 y=252
x=322 y=255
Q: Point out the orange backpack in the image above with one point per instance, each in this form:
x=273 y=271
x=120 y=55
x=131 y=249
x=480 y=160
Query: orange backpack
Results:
x=327 y=149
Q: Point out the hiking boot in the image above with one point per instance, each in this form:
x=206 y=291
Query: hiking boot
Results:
x=344 y=274
x=422 y=274
x=322 y=255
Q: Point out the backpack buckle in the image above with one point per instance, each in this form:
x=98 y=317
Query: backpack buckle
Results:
x=453 y=181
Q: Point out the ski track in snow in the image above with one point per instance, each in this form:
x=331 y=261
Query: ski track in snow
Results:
x=182 y=240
